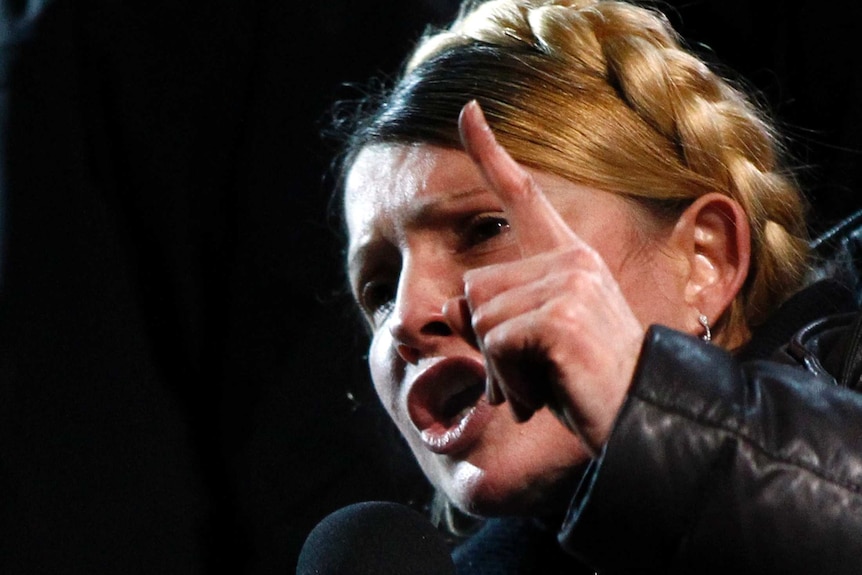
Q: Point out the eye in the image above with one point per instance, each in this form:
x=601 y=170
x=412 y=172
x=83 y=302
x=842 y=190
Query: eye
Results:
x=377 y=299
x=484 y=227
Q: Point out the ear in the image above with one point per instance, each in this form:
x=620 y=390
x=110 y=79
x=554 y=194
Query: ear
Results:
x=715 y=239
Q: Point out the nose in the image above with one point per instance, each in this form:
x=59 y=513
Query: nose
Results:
x=418 y=324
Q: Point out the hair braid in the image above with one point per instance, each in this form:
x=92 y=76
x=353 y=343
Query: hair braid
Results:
x=718 y=133
x=722 y=137
x=620 y=104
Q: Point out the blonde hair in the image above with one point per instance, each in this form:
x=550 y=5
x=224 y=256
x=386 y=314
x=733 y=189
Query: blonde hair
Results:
x=605 y=94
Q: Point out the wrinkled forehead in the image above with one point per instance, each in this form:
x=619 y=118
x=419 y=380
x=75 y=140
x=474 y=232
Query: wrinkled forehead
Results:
x=389 y=183
x=380 y=177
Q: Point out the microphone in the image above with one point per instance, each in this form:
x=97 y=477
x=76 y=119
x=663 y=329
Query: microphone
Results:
x=375 y=538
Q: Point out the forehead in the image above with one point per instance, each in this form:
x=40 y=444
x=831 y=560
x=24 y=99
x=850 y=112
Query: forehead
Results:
x=382 y=177
x=389 y=184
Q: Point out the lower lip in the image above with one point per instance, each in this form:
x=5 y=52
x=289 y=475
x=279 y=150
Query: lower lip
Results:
x=461 y=436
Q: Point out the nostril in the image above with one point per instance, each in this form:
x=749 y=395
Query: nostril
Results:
x=436 y=328
x=412 y=345
x=408 y=354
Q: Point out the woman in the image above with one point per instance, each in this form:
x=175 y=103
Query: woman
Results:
x=572 y=302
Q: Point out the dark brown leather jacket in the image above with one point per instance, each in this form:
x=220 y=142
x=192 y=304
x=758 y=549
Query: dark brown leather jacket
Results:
x=747 y=463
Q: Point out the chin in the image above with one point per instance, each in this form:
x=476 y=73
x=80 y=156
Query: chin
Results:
x=502 y=491
x=508 y=468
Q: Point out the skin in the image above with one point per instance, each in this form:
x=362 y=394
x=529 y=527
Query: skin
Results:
x=466 y=262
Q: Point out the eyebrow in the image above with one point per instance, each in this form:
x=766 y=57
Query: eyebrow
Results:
x=440 y=207
x=434 y=211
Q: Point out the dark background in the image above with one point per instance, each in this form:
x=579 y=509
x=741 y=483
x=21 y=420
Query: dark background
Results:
x=181 y=378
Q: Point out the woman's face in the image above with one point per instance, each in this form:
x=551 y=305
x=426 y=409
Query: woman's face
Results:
x=418 y=218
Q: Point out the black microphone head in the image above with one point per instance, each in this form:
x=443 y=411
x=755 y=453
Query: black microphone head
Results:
x=375 y=538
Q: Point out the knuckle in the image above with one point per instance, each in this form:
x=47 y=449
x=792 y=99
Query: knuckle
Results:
x=476 y=280
x=497 y=342
x=473 y=289
x=562 y=311
x=479 y=321
x=593 y=258
x=528 y=187
x=583 y=255
x=527 y=183
x=577 y=282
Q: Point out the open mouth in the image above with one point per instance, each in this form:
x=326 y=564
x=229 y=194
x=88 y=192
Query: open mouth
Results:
x=456 y=407
x=443 y=400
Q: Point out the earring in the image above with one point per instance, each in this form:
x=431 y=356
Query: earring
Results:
x=707 y=333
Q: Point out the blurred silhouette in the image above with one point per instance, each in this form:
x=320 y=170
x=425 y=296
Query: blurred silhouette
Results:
x=176 y=371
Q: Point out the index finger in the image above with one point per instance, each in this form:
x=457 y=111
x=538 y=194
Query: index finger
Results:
x=537 y=225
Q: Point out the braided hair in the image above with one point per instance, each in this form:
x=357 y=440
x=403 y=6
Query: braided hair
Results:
x=604 y=93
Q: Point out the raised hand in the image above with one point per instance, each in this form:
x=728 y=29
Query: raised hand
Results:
x=554 y=326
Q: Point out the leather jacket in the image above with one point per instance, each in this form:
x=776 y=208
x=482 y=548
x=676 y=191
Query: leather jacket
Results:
x=745 y=463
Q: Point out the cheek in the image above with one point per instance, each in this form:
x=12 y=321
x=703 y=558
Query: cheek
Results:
x=387 y=375
x=382 y=372
x=655 y=289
